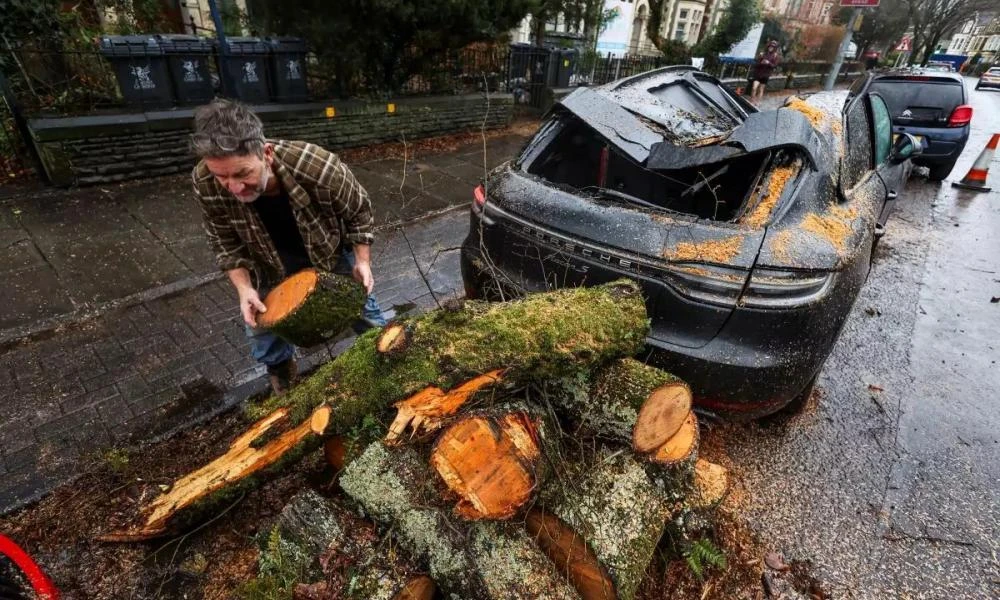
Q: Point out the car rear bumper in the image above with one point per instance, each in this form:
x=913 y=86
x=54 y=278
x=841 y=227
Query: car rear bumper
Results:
x=941 y=145
x=757 y=363
x=989 y=84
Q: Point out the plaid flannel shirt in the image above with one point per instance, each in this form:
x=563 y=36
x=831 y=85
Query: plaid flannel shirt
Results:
x=325 y=198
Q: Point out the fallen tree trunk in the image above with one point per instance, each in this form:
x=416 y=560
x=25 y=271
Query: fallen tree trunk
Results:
x=312 y=306
x=312 y=530
x=475 y=560
x=603 y=519
x=541 y=337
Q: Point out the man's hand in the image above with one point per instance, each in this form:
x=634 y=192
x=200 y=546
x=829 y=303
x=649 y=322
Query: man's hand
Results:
x=250 y=306
x=363 y=266
x=363 y=275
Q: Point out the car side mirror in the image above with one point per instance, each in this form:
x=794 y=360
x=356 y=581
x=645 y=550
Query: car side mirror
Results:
x=905 y=146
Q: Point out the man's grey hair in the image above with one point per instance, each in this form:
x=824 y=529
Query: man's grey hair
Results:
x=226 y=128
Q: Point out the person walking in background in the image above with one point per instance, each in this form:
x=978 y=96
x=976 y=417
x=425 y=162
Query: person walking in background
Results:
x=767 y=62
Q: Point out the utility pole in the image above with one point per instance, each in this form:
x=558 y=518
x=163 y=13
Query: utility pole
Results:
x=220 y=33
x=831 y=77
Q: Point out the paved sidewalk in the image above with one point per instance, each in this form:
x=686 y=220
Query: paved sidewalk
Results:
x=122 y=331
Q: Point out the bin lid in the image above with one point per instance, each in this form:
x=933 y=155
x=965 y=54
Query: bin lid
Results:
x=178 y=43
x=246 y=45
x=286 y=44
x=130 y=45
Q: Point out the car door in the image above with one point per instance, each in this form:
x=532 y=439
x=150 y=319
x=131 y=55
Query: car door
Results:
x=893 y=174
x=859 y=178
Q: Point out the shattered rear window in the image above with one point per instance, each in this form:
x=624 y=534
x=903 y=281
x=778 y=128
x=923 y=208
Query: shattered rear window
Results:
x=575 y=156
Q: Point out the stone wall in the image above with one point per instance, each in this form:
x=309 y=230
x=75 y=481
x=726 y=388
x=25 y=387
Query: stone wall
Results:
x=105 y=148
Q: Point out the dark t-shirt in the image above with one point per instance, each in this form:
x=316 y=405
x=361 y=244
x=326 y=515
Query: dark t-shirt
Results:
x=765 y=70
x=276 y=214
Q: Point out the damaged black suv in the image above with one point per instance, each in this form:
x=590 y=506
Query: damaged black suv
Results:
x=750 y=232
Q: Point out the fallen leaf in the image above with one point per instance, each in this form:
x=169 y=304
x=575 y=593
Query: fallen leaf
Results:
x=775 y=561
x=874 y=388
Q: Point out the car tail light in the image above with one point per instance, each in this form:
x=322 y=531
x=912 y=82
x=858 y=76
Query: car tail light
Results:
x=960 y=116
x=708 y=283
x=779 y=288
x=479 y=196
x=766 y=288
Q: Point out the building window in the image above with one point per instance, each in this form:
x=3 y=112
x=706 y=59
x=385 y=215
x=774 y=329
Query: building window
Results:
x=683 y=14
x=679 y=32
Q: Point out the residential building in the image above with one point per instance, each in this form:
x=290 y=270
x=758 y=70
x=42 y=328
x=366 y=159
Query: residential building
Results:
x=687 y=21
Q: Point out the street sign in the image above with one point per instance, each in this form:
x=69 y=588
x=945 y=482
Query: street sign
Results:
x=905 y=45
x=859 y=3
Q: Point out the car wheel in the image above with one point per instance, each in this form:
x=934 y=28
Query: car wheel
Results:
x=977 y=86
x=797 y=404
x=939 y=172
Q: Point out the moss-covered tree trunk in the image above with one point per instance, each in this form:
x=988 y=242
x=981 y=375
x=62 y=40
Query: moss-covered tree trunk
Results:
x=311 y=528
x=611 y=504
x=538 y=338
x=474 y=560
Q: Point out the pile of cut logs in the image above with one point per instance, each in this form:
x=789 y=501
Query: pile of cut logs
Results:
x=528 y=457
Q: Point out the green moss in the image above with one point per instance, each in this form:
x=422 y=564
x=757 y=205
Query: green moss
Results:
x=282 y=565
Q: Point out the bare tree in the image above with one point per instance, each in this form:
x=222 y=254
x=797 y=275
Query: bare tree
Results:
x=934 y=19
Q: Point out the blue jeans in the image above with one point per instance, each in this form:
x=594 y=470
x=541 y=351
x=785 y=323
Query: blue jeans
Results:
x=269 y=349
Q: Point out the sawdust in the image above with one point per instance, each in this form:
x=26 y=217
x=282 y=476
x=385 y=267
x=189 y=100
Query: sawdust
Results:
x=834 y=228
x=717 y=251
x=780 y=245
x=816 y=116
x=775 y=186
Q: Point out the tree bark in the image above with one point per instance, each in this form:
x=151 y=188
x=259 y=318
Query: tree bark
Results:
x=541 y=337
x=475 y=560
x=610 y=502
x=312 y=306
x=311 y=528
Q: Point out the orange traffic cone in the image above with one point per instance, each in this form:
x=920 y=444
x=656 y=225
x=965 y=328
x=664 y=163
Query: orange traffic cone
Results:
x=975 y=179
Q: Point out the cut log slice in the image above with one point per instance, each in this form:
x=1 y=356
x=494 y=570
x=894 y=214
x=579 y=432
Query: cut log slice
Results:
x=611 y=503
x=682 y=447
x=473 y=560
x=241 y=461
x=662 y=415
x=569 y=552
x=625 y=401
x=312 y=306
x=394 y=339
x=490 y=464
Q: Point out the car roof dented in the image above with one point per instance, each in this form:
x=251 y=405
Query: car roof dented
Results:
x=677 y=117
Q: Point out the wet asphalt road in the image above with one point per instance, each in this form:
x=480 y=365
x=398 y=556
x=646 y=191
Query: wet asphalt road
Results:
x=890 y=483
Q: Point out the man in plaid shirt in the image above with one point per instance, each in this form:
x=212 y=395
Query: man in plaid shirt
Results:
x=272 y=208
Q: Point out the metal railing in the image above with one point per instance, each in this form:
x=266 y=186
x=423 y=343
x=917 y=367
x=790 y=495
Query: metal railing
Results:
x=49 y=79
